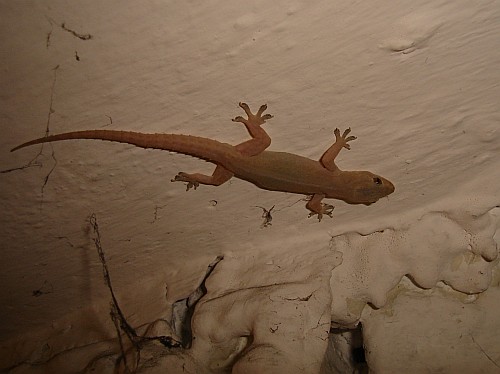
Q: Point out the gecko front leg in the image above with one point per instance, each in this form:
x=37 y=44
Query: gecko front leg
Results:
x=328 y=158
x=318 y=208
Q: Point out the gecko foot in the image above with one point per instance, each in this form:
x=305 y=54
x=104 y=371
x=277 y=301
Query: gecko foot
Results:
x=253 y=119
x=325 y=209
x=344 y=139
x=316 y=207
x=184 y=177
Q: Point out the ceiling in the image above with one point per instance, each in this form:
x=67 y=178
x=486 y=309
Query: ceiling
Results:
x=418 y=83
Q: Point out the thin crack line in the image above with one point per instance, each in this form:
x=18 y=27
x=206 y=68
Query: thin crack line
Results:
x=47 y=131
x=34 y=161
x=484 y=352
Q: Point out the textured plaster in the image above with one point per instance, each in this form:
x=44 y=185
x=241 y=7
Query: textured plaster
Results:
x=418 y=82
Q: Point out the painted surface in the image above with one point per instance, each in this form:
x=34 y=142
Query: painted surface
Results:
x=417 y=82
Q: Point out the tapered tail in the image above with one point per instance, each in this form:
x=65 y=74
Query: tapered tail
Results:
x=206 y=149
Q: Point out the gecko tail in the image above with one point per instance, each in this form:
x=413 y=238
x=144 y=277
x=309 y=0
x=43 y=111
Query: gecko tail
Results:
x=27 y=144
x=110 y=135
x=206 y=149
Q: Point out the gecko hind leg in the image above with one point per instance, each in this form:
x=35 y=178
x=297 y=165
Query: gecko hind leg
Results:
x=318 y=208
x=219 y=176
x=253 y=123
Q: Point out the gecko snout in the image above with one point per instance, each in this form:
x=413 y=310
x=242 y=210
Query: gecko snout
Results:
x=388 y=184
x=381 y=187
x=385 y=185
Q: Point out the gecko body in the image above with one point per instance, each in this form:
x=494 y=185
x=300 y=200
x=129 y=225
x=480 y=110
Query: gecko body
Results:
x=270 y=170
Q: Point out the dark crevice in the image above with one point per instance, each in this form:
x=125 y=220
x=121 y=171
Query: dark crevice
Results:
x=357 y=353
x=183 y=310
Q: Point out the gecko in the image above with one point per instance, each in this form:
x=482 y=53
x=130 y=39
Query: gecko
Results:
x=252 y=162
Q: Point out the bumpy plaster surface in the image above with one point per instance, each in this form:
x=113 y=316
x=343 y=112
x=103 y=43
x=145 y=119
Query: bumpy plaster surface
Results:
x=272 y=310
x=439 y=331
x=436 y=247
x=418 y=85
x=278 y=318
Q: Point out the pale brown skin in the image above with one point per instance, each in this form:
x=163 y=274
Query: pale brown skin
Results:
x=275 y=171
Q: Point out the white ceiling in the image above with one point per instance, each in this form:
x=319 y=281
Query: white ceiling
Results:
x=418 y=82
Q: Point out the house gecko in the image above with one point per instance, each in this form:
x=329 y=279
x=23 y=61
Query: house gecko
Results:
x=250 y=161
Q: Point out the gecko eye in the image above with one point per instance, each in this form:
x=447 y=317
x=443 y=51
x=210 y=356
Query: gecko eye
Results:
x=377 y=180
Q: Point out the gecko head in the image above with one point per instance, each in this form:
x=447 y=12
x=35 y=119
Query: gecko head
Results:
x=366 y=187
